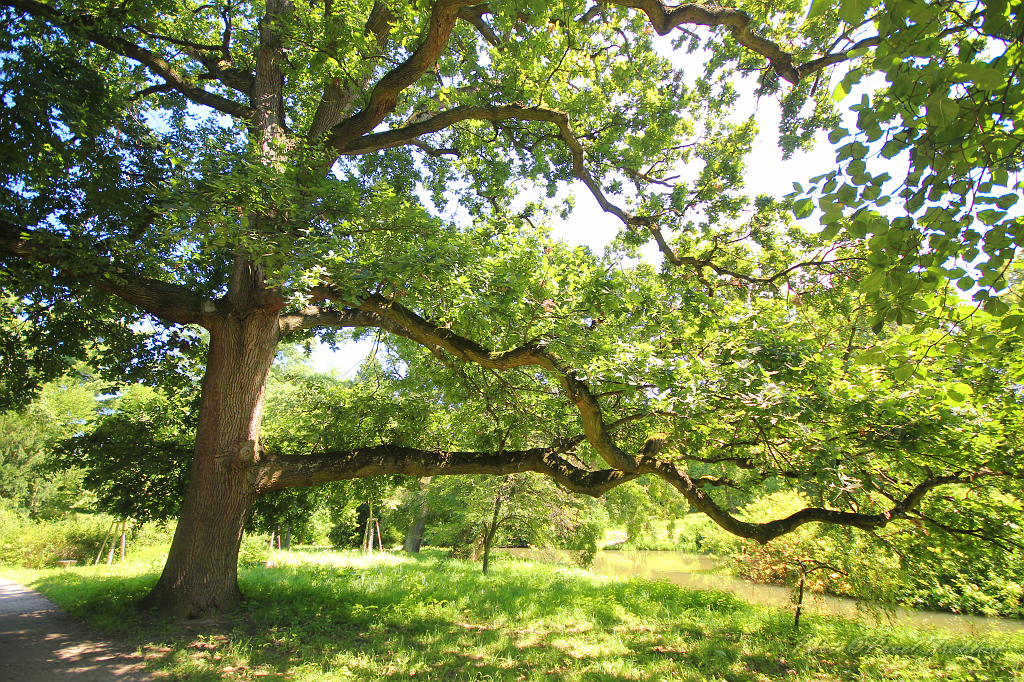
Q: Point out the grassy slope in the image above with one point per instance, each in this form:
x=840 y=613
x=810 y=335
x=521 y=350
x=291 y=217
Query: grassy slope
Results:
x=341 y=617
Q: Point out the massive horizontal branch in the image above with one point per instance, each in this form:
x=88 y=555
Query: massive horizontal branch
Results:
x=277 y=472
x=84 y=25
x=316 y=317
x=167 y=301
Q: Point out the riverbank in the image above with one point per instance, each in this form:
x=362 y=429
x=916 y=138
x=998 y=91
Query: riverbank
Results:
x=699 y=571
x=338 y=616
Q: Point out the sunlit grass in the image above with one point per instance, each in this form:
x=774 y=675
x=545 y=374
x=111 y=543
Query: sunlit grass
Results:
x=341 y=616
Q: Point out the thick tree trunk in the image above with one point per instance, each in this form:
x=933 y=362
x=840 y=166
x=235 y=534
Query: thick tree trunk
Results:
x=200 y=576
x=414 y=536
x=491 y=531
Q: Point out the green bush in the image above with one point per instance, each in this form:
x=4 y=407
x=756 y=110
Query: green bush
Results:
x=255 y=549
x=151 y=535
x=38 y=544
x=587 y=534
x=44 y=543
x=12 y=521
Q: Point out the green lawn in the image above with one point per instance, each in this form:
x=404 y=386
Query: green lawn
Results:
x=338 y=616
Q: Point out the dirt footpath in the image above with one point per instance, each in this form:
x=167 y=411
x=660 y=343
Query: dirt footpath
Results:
x=41 y=643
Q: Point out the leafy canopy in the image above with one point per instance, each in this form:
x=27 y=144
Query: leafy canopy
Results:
x=357 y=166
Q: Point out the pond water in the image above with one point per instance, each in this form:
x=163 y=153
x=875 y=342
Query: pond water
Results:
x=700 y=571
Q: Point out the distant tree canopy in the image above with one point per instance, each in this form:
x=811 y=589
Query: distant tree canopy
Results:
x=186 y=184
x=28 y=480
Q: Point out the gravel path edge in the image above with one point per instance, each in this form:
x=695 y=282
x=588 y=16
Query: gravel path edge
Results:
x=41 y=643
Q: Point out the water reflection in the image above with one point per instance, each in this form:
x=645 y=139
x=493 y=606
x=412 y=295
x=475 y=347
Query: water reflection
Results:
x=698 y=571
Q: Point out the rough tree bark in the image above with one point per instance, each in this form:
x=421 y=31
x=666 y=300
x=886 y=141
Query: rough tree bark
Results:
x=201 y=573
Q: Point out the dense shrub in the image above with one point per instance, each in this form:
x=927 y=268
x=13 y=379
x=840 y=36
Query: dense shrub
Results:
x=587 y=535
x=38 y=544
x=255 y=549
x=44 y=543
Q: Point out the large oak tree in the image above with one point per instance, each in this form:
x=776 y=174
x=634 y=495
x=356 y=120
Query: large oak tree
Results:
x=292 y=169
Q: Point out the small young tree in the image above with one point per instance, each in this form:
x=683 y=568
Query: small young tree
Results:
x=471 y=514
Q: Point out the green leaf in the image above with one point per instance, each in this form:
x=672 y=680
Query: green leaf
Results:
x=988 y=342
x=892 y=148
x=853 y=11
x=874 y=281
x=904 y=371
x=984 y=77
x=963 y=388
x=996 y=307
x=846 y=194
x=990 y=217
x=819 y=7
x=831 y=230
x=1011 y=321
x=837 y=134
x=942 y=111
x=803 y=208
x=1007 y=201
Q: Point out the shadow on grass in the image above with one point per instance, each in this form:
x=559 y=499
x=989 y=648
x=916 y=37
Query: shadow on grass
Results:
x=106 y=602
x=438 y=619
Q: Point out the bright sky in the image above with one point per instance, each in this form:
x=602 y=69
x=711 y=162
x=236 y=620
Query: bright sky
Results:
x=589 y=226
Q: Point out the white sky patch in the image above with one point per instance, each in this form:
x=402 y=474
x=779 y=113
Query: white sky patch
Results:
x=346 y=360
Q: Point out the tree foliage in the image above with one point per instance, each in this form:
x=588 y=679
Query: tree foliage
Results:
x=30 y=479
x=135 y=456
